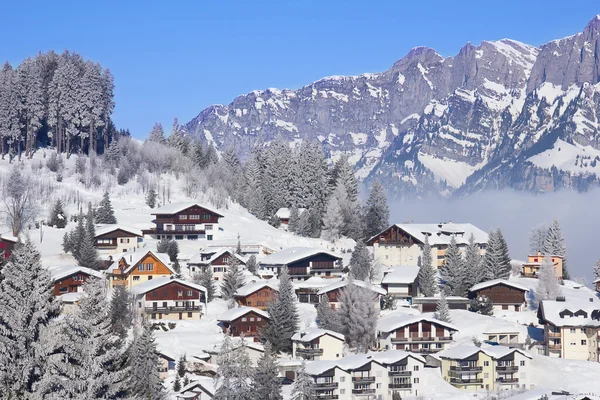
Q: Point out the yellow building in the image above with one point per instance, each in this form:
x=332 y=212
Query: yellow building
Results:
x=138 y=267
x=531 y=268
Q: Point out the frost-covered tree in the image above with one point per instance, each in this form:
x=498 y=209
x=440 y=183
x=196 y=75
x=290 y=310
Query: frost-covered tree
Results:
x=304 y=224
x=294 y=217
x=28 y=307
x=326 y=316
x=76 y=236
x=597 y=269
x=19 y=207
x=157 y=134
x=233 y=373
x=252 y=264
x=333 y=220
x=361 y=262
x=496 y=261
x=266 y=383
x=177 y=384
x=89 y=361
x=473 y=263
x=238 y=248
x=388 y=302
x=427 y=278
x=89 y=221
x=58 y=217
x=547 y=286
x=181 y=365
x=87 y=255
x=554 y=245
x=206 y=279
x=275 y=221
x=453 y=271
x=345 y=176
x=537 y=236
x=377 y=213
x=120 y=311
x=482 y=305
x=151 y=197
x=304 y=385
x=232 y=279
x=283 y=315
x=357 y=316
x=105 y=213
x=442 y=311
x=145 y=379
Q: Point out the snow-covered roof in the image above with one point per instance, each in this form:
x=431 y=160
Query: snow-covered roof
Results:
x=343 y=283
x=235 y=313
x=284 y=213
x=495 y=282
x=356 y=361
x=155 y=283
x=72 y=297
x=104 y=229
x=174 y=208
x=551 y=311
x=315 y=282
x=440 y=234
x=60 y=273
x=206 y=384
x=596 y=280
x=250 y=288
x=134 y=257
x=420 y=300
x=9 y=237
x=396 y=320
x=196 y=259
x=401 y=275
x=311 y=334
x=293 y=254
x=463 y=351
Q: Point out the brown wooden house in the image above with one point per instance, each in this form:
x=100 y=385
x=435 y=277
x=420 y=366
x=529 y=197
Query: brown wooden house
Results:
x=69 y=279
x=216 y=259
x=303 y=262
x=248 y=321
x=258 y=294
x=7 y=243
x=113 y=239
x=180 y=221
x=169 y=299
x=505 y=294
x=334 y=291
x=416 y=333
x=138 y=267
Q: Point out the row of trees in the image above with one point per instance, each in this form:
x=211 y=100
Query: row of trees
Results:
x=63 y=100
x=82 y=355
x=550 y=241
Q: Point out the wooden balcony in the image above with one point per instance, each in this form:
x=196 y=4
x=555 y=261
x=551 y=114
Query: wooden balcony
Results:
x=421 y=338
x=171 y=309
x=177 y=231
x=309 y=351
x=363 y=379
x=507 y=380
x=507 y=368
x=400 y=386
x=326 y=396
x=400 y=373
x=466 y=368
x=363 y=391
x=459 y=381
x=554 y=334
x=555 y=347
x=326 y=386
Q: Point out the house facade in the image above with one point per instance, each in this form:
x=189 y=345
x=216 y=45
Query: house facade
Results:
x=115 y=239
x=169 y=299
x=138 y=267
x=246 y=321
x=401 y=282
x=504 y=294
x=7 y=244
x=334 y=292
x=414 y=333
x=303 y=263
x=571 y=328
x=284 y=215
x=185 y=221
x=308 y=290
x=402 y=244
x=531 y=268
x=257 y=294
x=70 y=279
x=216 y=259
x=318 y=344
x=429 y=304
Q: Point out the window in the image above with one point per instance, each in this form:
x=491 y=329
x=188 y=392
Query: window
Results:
x=583 y=342
x=416 y=368
x=522 y=363
x=178 y=237
x=205 y=216
x=139 y=304
x=244 y=319
x=379 y=386
x=342 y=378
x=247 y=329
x=208 y=227
x=258 y=319
x=486 y=363
x=149 y=267
x=189 y=293
x=342 y=391
x=194 y=217
x=189 y=315
x=572 y=330
x=150 y=277
x=225 y=259
x=153 y=316
x=141 y=267
x=582 y=330
x=63 y=289
x=180 y=293
x=573 y=344
x=209 y=237
x=416 y=380
x=251 y=319
x=104 y=241
x=183 y=217
x=136 y=278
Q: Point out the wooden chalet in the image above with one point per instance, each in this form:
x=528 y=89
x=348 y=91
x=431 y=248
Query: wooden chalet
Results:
x=70 y=279
x=114 y=239
x=257 y=294
x=429 y=304
x=247 y=321
x=217 y=259
x=169 y=299
x=416 y=333
x=334 y=291
x=7 y=244
x=180 y=221
x=504 y=294
x=302 y=263
x=197 y=390
x=140 y=266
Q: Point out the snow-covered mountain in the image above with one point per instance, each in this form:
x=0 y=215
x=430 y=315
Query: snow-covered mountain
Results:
x=501 y=114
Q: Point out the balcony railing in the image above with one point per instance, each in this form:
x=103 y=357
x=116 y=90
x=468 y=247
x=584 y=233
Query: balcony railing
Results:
x=326 y=396
x=326 y=385
x=465 y=381
x=553 y=334
x=507 y=380
x=172 y=309
x=310 y=352
x=417 y=338
x=466 y=368
x=174 y=231
x=363 y=391
x=425 y=351
x=554 y=346
x=363 y=379
x=400 y=385
x=400 y=373
x=507 y=368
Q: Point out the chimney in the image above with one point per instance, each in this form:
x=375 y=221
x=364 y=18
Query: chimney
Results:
x=561 y=299
x=591 y=299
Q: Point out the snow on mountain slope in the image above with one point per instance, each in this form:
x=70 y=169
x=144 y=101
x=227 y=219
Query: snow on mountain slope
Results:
x=569 y=157
x=453 y=172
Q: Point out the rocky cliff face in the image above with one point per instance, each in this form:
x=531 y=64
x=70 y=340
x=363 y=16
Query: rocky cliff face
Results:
x=502 y=114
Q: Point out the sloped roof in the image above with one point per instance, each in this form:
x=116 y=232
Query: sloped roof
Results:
x=311 y=334
x=463 y=351
x=235 y=313
x=440 y=234
x=60 y=273
x=551 y=309
x=401 y=275
x=196 y=259
x=358 y=360
x=396 y=320
x=342 y=283
x=9 y=237
x=250 y=288
x=285 y=212
x=293 y=254
x=155 y=283
x=134 y=257
x=315 y=282
x=72 y=297
x=495 y=282
x=174 y=208
x=104 y=229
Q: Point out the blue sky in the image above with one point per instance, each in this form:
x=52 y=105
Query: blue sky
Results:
x=174 y=58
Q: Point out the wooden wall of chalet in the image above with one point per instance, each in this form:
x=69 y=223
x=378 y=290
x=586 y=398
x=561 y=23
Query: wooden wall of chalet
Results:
x=119 y=233
x=502 y=294
x=70 y=283
x=259 y=299
x=325 y=258
x=170 y=290
x=238 y=326
x=194 y=210
x=393 y=235
x=6 y=248
x=221 y=260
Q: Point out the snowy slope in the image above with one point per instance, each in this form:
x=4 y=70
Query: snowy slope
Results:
x=568 y=157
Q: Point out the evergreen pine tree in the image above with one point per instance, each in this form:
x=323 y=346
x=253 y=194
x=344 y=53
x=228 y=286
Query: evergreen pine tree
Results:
x=105 y=213
x=58 y=217
x=233 y=372
x=267 y=385
x=427 y=278
x=177 y=383
x=361 y=263
x=377 y=211
x=181 y=363
x=482 y=305
x=597 y=269
x=120 y=313
x=163 y=245
x=87 y=255
x=205 y=278
x=66 y=244
x=89 y=221
x=496 y=261
x=77 y=236
x=28 y=307
x=388 y=302
x=442 y=311
x=554 y=245
x=145 y=379
x=283 y=313
x=304 y=385
x=547 y=285
x=504 y=267
x=251 y=264
x=357 y=316
x=173 y=250
x=333 y=220
x=294 y=219
x=304 y=225
x=151 y=197
x=232 y=279
x=453 y=271
x=396 y=396
x=537 y=238
x=275 y=221
x=473 y=263
x=326 y=316
x=238 y=249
